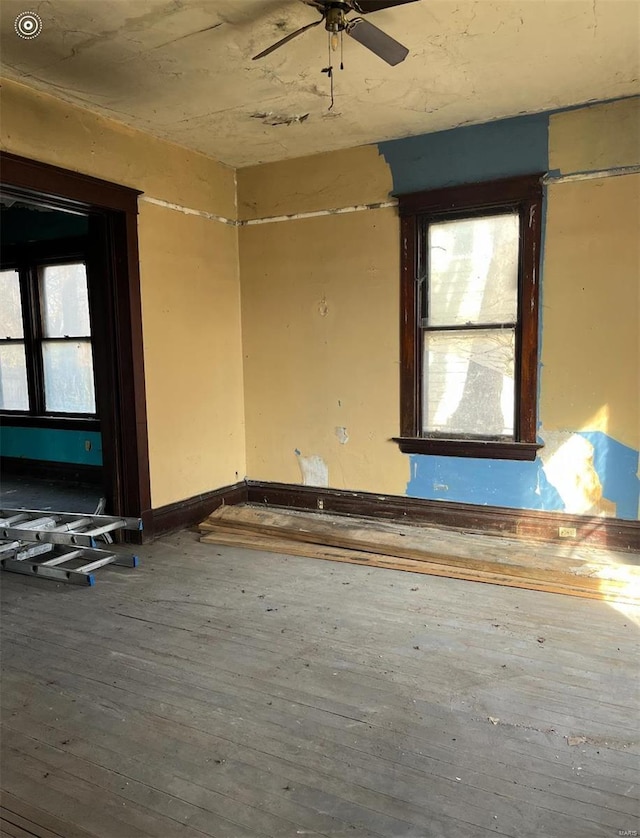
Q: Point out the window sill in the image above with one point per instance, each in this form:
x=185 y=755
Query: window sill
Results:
x=489 y=449
x=67 y=423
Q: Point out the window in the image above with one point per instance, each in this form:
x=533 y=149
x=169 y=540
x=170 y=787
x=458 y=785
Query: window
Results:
x=46 y=357
x=14 y=390
x=469 y=319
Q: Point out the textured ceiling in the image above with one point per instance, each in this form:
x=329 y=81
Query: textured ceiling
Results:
x=182 y=69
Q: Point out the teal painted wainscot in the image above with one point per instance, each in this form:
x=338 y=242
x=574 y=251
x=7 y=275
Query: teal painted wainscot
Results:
x=52 y=444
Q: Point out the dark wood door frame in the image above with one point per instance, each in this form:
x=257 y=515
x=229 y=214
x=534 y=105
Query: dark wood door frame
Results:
x=113 y=213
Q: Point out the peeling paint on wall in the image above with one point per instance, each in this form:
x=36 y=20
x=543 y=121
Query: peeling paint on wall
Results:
x=314 y=470
x=343 y=436
x=568 y=464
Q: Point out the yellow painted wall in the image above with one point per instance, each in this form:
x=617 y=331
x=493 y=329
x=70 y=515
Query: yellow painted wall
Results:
x=320 y=182
x=193 y=353
x=189 y=279
x=320 y=316
x=39 y=126
x=320 y=323
x=591 y=305
x=599 y=137
x=591 y=277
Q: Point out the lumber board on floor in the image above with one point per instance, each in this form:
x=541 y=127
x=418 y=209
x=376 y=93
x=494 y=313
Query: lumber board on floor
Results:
x=316 y=549
x=400 y=547
x=380 y=536
x=604 y=591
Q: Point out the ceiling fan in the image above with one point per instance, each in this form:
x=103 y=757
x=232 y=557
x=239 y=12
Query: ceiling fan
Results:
x=334 y=16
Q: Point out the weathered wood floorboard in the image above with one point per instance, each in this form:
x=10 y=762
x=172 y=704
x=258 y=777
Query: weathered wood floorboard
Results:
x=36 y=821
x=218 y=699
x=483 y=634
x=445 y=751
x=223 y=692
x=498 y=649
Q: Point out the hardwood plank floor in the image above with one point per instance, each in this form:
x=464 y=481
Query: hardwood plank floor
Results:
x=217 y=691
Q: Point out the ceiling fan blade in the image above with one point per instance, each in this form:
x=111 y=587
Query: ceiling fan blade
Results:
x=365 y=7
x=286 y=40
x=383 y=45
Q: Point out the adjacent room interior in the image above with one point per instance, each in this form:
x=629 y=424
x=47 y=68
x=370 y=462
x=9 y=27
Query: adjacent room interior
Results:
x=42 y=239
x=346 y=335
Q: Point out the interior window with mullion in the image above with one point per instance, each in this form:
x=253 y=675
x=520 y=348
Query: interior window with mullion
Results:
x=14 y=389
x=67 y=357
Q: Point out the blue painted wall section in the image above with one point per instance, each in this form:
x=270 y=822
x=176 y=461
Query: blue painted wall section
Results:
x=508 y=147
x=518 y=485
x=617 y=467
x=51 y=444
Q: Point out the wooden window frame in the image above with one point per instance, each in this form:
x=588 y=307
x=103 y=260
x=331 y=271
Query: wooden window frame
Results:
x=524 y=195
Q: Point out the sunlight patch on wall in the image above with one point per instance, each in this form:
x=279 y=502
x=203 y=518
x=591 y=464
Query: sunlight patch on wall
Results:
x=568 y=463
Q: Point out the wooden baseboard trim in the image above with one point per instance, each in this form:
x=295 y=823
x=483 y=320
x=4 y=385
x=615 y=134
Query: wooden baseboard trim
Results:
x=186 y=513
x=50 y=470
x=614 y=533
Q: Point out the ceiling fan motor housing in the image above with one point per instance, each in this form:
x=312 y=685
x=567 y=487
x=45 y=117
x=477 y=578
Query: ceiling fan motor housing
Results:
x=335 y=16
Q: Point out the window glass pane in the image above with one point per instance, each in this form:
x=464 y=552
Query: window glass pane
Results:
x=14 y=394
x=469 y=382
x=68 y=377
x=473 y=270
x=65 y=304
x=10 y=310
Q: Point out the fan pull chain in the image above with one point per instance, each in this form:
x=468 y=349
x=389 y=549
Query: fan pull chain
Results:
x=342 y=49
x=330 y=72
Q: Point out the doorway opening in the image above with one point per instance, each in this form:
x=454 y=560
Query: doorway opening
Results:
x=72 y=397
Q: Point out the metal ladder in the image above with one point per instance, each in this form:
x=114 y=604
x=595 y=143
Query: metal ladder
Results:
x=60 y=545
